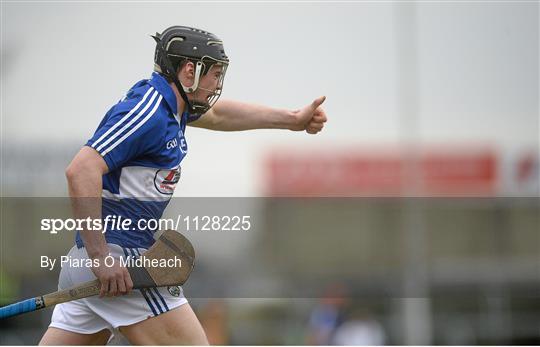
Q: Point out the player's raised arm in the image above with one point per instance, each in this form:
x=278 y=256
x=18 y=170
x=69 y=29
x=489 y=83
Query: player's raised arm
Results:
x=230 y=115
x=198 y=83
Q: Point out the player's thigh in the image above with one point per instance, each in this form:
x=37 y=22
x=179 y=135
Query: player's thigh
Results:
x=55 y=337
x=178 y=326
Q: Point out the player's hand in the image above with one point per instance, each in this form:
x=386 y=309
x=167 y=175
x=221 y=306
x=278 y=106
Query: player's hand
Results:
x=311 y=118
x=115 y=280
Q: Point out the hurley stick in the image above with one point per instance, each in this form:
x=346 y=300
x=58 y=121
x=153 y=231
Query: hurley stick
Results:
x=170 y=244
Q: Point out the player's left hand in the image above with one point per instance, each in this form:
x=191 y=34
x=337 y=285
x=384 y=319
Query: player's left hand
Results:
x=311 y=118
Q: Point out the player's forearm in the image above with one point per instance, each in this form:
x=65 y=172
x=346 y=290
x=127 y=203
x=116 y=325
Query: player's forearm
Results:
x=85 y=187
x=230 y=115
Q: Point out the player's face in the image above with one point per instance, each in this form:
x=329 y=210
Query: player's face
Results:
x=208 y=84
x=207 y=88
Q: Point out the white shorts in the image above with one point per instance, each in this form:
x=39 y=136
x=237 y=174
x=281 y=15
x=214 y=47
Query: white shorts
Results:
x=93 y=314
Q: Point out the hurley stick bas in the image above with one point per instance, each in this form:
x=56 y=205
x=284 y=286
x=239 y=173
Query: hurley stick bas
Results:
x=170 y=244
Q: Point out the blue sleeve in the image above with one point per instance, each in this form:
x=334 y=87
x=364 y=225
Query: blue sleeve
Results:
x=130 y=129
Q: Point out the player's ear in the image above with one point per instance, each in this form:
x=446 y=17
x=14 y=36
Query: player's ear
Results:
x=190 y=69
x=186 y=73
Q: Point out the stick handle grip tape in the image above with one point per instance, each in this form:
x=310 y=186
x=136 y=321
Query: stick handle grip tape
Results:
x=17 y=308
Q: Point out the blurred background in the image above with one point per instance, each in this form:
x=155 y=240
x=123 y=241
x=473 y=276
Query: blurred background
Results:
x=413 y=218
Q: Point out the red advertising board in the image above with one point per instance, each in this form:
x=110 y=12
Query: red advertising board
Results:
x=382 y=173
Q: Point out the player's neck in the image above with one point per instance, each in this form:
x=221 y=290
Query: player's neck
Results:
x=180 y=103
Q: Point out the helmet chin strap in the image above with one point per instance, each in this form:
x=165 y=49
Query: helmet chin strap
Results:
x=169 y=70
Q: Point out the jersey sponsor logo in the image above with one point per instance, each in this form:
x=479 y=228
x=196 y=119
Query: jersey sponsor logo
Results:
x=165 y=180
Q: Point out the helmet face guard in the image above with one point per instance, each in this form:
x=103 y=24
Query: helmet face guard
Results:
x=179 y=44
x=203 y=67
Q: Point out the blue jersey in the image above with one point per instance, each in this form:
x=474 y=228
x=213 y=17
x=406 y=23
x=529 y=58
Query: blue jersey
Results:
x=141 y=139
